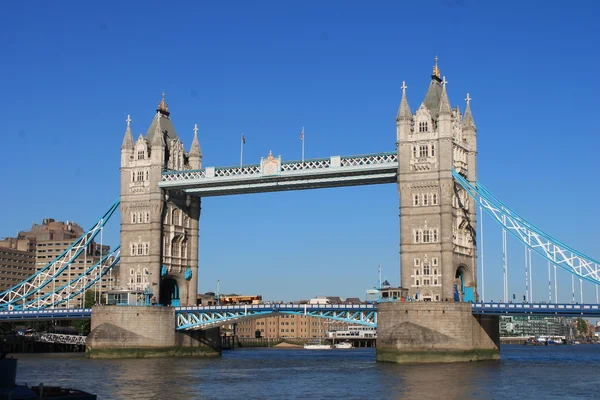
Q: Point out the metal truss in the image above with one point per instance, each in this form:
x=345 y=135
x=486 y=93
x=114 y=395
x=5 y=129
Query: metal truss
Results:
x=43 y=277
x=588 y=310
x=78 y=285
x=46 y=315
x=548 y=247
x=291 y=175
x=60 y=338
x=199 y=318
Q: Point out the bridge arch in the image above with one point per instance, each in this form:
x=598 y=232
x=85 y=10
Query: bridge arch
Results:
x=464 y=284
x=170 y=292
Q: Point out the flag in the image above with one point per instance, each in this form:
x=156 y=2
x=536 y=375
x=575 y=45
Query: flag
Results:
x=243 y=139
x=302 y=134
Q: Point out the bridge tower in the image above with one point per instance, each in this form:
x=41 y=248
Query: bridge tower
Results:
x=159 y=230
x=437 y=218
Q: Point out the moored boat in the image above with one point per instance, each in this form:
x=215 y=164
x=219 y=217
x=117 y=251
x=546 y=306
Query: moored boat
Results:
x=317 y=346
x=343 y=345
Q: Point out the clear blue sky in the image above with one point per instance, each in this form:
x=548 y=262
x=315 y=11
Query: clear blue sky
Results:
x=72 y=71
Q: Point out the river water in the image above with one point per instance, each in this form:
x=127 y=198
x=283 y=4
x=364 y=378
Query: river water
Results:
x=524 y=372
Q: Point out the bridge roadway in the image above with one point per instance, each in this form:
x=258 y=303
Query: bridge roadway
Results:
x=204 y=317
x=274 y=175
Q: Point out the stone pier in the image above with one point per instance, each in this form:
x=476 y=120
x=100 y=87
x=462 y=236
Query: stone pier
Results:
x=428 y=332
x=138 y=332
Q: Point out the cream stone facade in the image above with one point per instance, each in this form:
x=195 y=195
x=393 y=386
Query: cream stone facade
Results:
x=159 y=229
x=437 y=218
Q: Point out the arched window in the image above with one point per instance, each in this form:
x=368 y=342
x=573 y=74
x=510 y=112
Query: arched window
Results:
x=184 y=249
x=432 y=150
x=417 y=236
x=175 y=247
x=176 y=217
x=434 y=199
x=416 y=200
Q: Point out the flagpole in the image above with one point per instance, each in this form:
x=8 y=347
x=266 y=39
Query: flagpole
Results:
x=302 y=145
x=242 y=150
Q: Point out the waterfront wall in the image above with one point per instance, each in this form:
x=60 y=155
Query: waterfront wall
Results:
x=422 y=332
x=144 y=331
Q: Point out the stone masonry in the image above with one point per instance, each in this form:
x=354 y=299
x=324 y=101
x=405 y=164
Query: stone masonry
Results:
x=422 y=332
x=437 y=218
x=159 y=230
x=135 y=332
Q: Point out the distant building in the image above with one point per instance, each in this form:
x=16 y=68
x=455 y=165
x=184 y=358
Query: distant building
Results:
x=15 y=267
x=534 y=326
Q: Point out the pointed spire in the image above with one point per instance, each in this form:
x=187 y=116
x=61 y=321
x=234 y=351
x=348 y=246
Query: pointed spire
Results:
x=158 y=137
x=163 y=107
x=128 y=139
x=195 y=149
x=444 y=102
x=436 y=70
x=468 y=122
x=404 y=109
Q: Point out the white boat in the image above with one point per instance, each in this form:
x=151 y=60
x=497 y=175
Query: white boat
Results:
x=343 y=345
x=317 y=346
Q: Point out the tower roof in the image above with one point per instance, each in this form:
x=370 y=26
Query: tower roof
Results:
x=434 y=92
x=166 y=126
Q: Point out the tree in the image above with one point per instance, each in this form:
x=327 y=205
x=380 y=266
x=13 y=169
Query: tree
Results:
x=582 y=327
x=83 y=326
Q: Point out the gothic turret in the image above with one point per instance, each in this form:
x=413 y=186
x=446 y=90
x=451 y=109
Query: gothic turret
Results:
x=444 y=113
x=468 y=123
x=128 y=139
x=195 y=156
x=404 y=117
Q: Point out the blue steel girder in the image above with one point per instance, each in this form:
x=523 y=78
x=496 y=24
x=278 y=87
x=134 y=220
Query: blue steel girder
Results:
x=77 y=285
x=540 y=309
x=212 y=316
x=558 y=253
x=20 y=292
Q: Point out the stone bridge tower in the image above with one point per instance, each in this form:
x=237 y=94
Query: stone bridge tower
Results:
x=159 y=230
x=438 y=251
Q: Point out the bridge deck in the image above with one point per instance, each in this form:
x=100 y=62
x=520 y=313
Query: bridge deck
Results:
x=273 y=175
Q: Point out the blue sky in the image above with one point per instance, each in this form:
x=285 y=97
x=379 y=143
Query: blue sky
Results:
x=73 y=71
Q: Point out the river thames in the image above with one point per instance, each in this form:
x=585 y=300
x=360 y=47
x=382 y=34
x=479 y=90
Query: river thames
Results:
x=524 y=372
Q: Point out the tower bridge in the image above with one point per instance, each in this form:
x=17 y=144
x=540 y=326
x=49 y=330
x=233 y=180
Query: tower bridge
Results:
x=434 y=168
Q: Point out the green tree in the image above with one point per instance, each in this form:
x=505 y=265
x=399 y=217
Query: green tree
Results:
x=582 y=327
x=83 y=326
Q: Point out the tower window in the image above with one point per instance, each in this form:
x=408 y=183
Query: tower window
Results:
x=416 y=200
x=434 y=199
x=426 y=236
x=423 y=127
x=417 y=262
x=414 y=149
x=423 y=151
x=425 y=199
x=140 y=176
x=426 y=269
x=141 y=155
x=435 y=235
x=432 y=150
x=417 y=236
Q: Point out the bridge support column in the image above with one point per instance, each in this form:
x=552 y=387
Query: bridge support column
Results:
x=427 y=332
x=139 y=332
